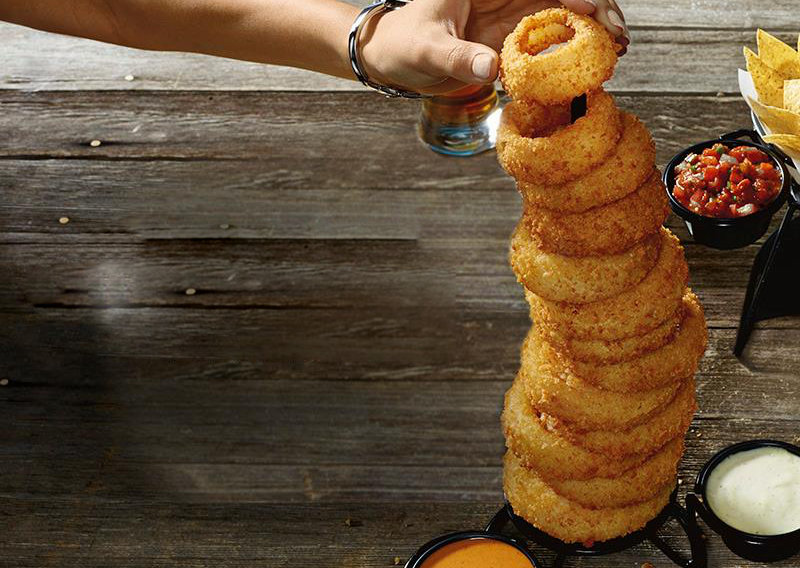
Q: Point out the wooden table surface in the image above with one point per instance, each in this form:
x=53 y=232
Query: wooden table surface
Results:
x=330 y=393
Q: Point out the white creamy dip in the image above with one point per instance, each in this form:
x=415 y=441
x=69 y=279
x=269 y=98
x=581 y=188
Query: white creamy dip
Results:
x=757 y=491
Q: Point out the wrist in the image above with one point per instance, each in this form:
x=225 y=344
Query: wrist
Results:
x=338 y=40
x=373 y=53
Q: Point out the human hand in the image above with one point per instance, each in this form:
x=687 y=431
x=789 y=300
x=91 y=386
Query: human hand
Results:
x=438 y=46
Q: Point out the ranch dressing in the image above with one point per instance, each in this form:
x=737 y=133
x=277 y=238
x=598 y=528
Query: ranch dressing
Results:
x=757 y=491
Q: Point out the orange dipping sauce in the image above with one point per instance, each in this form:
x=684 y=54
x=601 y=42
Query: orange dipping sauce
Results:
x=477 y=553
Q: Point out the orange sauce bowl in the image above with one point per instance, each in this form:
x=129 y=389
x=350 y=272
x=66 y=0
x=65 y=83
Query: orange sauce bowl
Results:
x=473 y=550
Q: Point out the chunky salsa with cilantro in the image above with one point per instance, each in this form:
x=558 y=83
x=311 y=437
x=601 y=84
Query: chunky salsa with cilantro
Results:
x=724 y=182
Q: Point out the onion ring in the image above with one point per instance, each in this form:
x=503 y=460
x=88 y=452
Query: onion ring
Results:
x=628 y=166
x=536 y=502
x=608 y=229
x=578 y=403
x=672 y=422
x=575 y=279
x=600 y=352
x=584 y=63
x=554 y=456
x=636 y=311
x=637 y=485
x=529 y=149
x=677 y=359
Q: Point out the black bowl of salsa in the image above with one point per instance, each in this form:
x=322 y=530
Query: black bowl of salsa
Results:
x=727 y=190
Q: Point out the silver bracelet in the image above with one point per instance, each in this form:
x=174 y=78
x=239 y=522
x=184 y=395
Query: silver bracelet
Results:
x=354 y=48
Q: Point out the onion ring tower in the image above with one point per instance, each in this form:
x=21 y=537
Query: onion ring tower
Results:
x=596 y=419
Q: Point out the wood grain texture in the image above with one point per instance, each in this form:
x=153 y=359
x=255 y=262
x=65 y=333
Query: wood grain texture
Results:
x=315 y=274
x=47 y=62
x=330 y=393
x=209 y=429
x=196 y=535
x=298 y=450
x=681 y=32
x=295 y=140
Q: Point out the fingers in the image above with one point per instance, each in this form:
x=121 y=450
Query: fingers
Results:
x=464 y=61
x=580 y=6
x=608 y=13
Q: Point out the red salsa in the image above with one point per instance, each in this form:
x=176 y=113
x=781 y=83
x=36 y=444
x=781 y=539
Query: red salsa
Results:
x=726 y=183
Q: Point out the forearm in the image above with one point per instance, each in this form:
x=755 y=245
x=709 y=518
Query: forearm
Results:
x=311 y=34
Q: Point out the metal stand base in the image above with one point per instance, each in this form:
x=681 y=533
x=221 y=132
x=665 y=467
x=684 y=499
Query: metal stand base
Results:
x=564 y=550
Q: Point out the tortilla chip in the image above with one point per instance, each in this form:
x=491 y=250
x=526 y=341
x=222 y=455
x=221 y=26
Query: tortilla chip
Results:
x=791 y=95
x=767 y=81
x=776 y=54
x=789 y=143
x=778 y=120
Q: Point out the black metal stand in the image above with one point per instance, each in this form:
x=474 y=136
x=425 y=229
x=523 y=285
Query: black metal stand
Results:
x=771 y=291
x=773 y=287
x=564 y=550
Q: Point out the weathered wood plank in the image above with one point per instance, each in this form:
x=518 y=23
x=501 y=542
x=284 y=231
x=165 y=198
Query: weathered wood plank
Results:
x=260 y=197
x=292 y=139
x=712 y=14
x=143 y=436
x=254 y=482
x=469 y=273
x=262 y=274
x=132 y=534
x=83 y=346
x=367 y=343
x=112 y=471
x=467 y=206
x=353 y=329
x=679 y=53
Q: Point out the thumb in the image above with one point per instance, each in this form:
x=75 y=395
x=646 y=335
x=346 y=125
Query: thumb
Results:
x=465 y=61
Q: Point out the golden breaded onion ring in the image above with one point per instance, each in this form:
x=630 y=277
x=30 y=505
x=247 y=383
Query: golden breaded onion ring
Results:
x=674 y=360
x=635 y=311
x=600 y=352
x=635 y=486
x=627 y=166
x=672 y=422
x=577 y=402
x=530 y=149
x=582 y=64
x=554 y=456
x=536 y=502
x=579 y=279
x=608 y=229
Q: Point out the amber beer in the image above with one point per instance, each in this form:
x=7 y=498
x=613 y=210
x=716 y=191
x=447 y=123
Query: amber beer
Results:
x=461 y=123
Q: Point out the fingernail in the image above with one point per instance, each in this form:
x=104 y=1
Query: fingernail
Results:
x=591 y=2
x=482 y=66
x=616 y=21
